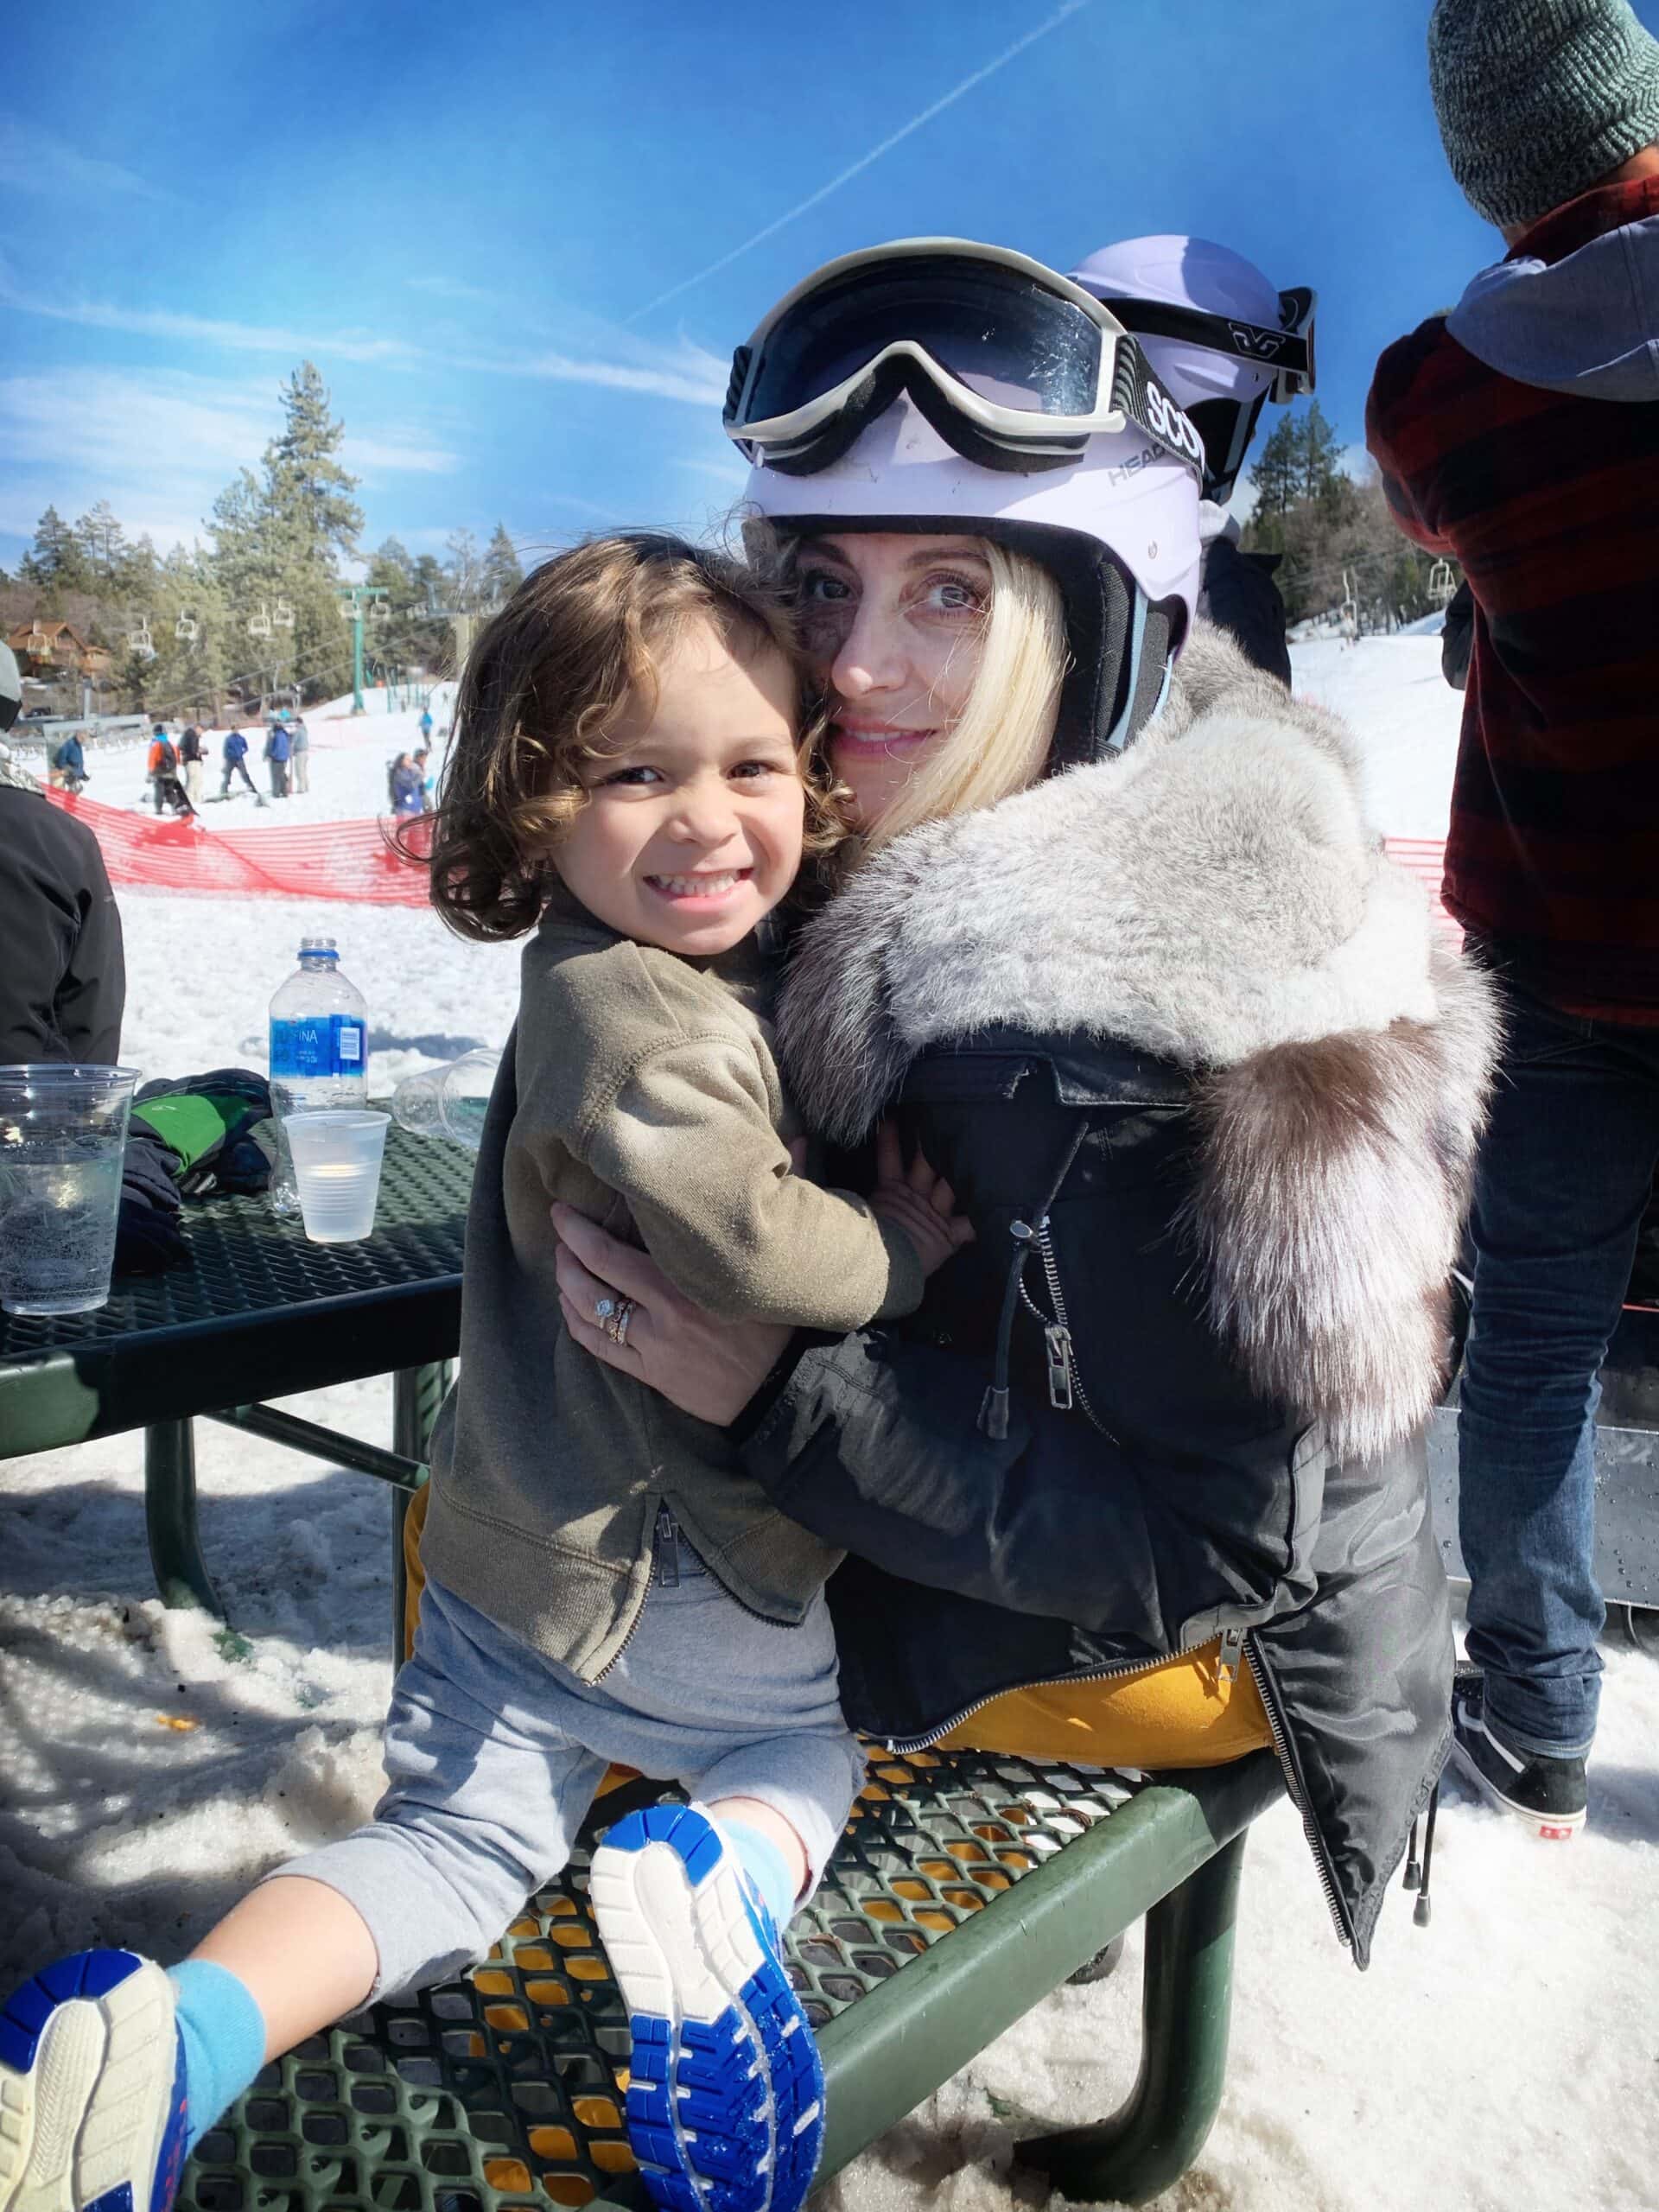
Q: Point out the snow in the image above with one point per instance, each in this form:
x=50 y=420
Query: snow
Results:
x=1505 y=2057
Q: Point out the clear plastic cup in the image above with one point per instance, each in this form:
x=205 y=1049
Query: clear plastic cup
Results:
x=337 y=1155
x=63 y=1135
x=448 y=1101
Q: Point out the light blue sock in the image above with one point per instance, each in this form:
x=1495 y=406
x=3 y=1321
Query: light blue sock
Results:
x=765 y=1867
x=224 y=2035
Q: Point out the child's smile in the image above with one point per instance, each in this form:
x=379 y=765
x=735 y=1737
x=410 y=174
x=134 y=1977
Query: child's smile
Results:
x=695 y=809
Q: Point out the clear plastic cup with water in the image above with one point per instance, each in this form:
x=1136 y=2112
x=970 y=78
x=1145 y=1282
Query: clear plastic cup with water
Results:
x=337 y=1155
x=63 y=1139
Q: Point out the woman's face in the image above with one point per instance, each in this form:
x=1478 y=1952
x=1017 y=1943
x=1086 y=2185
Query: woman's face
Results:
x=894 y=626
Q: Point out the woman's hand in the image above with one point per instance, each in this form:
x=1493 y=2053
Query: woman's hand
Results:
x=710 y=1369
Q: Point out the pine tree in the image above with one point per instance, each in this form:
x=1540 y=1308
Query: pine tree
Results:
x=1278 y=474
x=103 y=545
x=55 y=561
x=305 y=484
x=463 y=572
x=502 y=572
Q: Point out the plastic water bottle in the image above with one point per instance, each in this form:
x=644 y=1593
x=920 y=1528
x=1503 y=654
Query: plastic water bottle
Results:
x=319 y=1051
x=450 y=1101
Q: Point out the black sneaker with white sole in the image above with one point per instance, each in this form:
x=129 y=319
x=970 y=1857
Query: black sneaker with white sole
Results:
x=1548 y=1793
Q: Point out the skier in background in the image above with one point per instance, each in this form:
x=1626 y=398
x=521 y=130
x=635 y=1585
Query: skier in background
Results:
x=278 y=752
x=235 y=753
x=299 y=739
x=1224 y=340
x=192 y=755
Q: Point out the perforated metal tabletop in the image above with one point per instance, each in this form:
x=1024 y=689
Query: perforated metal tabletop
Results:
x=257 y=1312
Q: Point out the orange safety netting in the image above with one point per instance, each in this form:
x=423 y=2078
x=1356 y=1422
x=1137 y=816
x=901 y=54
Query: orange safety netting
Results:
x=329 y=859
x=352 y=860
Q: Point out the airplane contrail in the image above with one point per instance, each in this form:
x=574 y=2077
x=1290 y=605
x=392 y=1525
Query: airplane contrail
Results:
x=1052 y=22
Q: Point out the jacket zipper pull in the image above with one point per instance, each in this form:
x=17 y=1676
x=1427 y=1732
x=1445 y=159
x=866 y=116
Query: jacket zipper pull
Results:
x=1232 y=1648
x=666 y=1544
x=1058 y=1341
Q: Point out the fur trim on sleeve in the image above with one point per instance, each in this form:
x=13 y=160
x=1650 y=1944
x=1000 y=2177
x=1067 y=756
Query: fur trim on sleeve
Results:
x=1334 y=1176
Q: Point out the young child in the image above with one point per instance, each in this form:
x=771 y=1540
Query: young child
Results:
x=630 y=782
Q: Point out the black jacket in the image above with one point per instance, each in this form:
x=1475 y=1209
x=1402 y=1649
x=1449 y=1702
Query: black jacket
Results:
x=63 y=981
x=1457 y=636
x=1238 y=595
x=1186 y=1047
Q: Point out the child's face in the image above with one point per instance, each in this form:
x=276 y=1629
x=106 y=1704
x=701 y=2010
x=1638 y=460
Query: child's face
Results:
x=693 y=826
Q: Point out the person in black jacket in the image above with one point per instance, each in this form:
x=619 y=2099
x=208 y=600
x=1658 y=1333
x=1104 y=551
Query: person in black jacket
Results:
x=63 y=981
x=1457 y=636
x=1191 y=1055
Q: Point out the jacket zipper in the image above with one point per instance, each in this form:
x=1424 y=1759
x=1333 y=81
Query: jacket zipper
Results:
x=1236 y=1646
x=902 y=1747
x=664 y=1573
x=1064 y=1383
x=1292 y=1771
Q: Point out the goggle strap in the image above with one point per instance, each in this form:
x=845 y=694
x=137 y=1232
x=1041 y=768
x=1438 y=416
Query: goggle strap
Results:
x=1281 y=351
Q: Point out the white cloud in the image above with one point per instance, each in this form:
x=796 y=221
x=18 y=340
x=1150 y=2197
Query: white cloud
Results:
x=157 y=444
x=682 y=371
x=32 y=160
x=206 y=330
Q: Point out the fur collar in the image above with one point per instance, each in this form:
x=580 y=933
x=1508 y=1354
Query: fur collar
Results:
x=1214 y=896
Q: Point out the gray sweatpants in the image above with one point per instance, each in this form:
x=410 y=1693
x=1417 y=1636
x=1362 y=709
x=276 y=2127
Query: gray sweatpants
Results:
x=494 y=1756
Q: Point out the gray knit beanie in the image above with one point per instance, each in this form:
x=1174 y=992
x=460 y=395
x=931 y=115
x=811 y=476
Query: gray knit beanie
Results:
x=1538 y=99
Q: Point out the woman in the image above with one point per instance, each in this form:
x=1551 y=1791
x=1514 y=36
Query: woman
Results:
x=1183 y=1042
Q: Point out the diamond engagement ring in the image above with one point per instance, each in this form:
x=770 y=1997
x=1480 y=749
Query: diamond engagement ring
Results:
x=616 y=1327
x=603 y=1308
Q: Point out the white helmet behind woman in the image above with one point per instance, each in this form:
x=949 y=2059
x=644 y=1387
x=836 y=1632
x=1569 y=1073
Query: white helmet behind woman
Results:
x=1218 y=333
x=938 y=385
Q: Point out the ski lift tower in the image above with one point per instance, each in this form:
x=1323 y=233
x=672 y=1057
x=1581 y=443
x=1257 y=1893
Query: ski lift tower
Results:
x=464 y=623
x=359 y=603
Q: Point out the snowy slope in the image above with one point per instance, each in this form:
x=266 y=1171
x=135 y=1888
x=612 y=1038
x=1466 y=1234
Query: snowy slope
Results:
x=1504 y=2059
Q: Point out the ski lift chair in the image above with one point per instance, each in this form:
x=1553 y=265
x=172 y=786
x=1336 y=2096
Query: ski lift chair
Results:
x=1442 y=584
x=187 y=629
x=140 y=643
x=259 y=624
x=283 y=615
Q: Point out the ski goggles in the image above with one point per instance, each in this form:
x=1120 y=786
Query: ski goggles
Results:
x=1286 y=353
x=1015 y=367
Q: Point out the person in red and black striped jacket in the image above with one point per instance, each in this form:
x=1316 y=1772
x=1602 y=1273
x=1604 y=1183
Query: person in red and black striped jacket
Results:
x=1519 y=433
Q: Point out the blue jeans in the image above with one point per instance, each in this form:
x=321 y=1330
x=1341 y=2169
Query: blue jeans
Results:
x=1565 y=1174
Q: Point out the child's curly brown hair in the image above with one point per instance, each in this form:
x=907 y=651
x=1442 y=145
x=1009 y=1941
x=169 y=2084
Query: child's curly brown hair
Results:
x=544 y=684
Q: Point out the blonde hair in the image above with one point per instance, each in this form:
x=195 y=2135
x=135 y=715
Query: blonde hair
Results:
x=1001 y=742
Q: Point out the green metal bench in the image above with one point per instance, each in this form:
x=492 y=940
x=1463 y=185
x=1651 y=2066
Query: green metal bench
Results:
x=505 y=2090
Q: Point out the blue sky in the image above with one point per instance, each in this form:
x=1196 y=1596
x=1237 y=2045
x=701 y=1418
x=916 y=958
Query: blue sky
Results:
x=469 y=217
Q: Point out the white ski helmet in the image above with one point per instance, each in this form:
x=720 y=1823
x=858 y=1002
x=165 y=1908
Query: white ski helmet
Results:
x=1218 y=333
x=1106 y=499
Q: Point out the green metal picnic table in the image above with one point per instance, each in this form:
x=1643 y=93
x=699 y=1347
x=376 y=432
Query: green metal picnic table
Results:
x=504 y=2091
x=257 y=1313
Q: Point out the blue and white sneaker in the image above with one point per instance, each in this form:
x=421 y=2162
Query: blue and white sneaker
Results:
x=726 y=2100
x=92 y=2088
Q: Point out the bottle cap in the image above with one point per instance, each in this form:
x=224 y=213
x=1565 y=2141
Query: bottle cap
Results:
x=320 y=948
